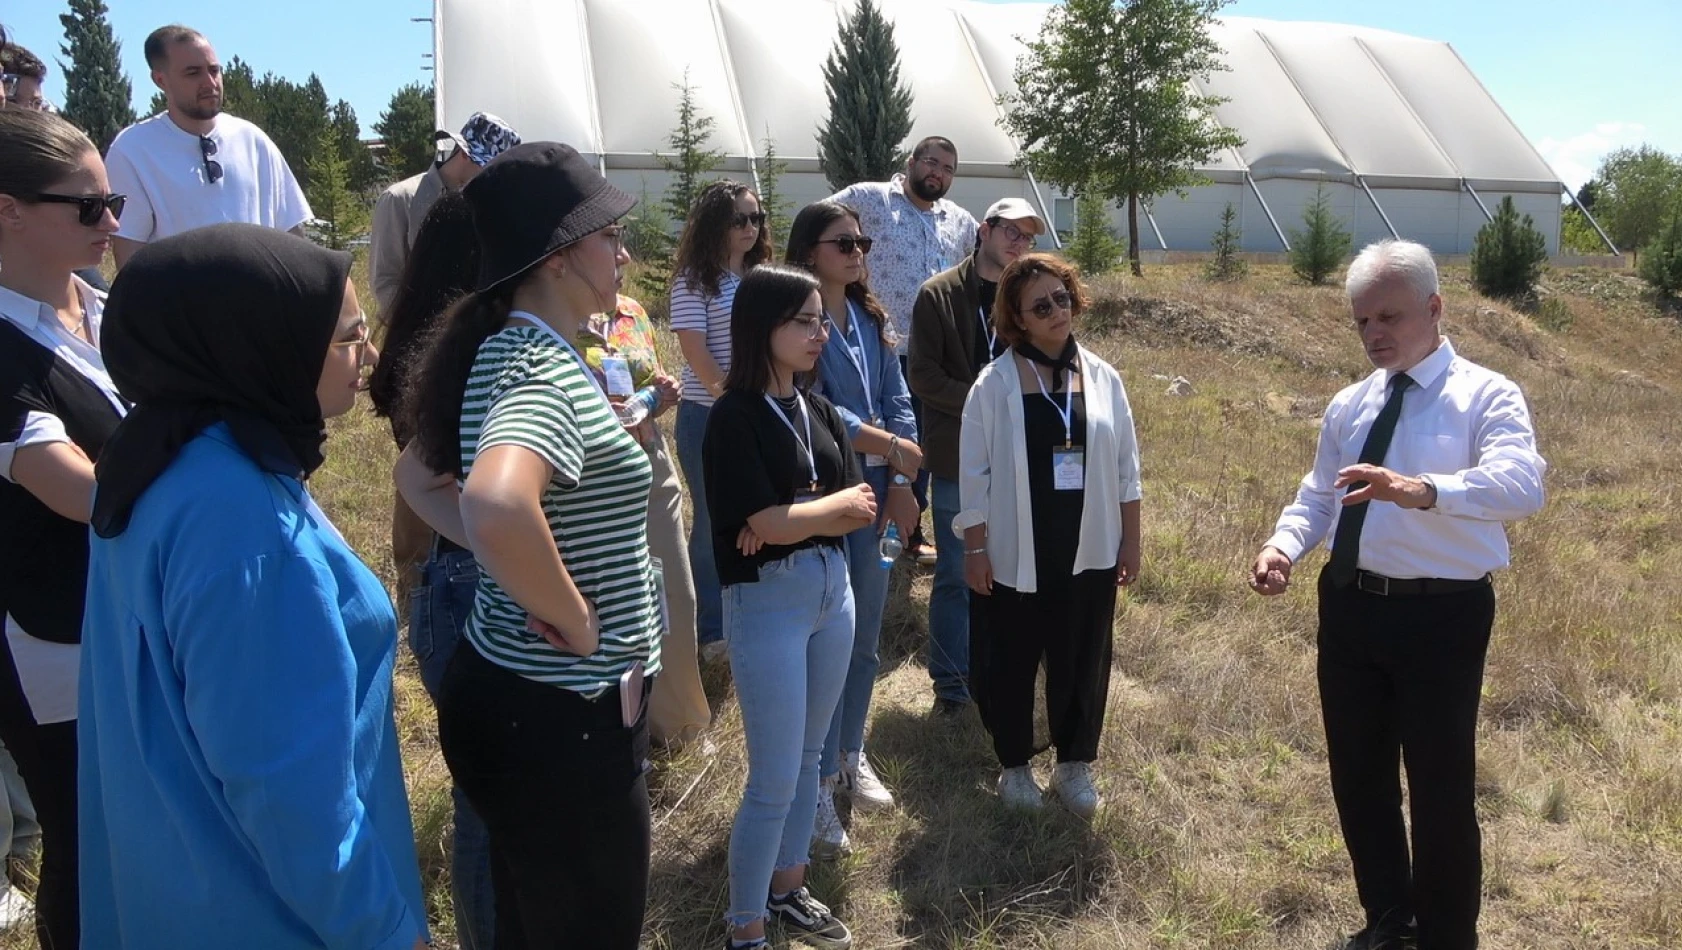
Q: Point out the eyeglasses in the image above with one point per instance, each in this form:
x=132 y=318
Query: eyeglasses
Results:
x=847 y=244
x=90 y=209
x=362 y=335
x=933 y=164
x=615 y=232
x=212 y=168
x=1060 y=300
x=742 y=220
x=814 y=328
x=1014 y=233
x=9 y=86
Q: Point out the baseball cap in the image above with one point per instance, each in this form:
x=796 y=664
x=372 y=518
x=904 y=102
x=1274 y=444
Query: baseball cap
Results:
x=483 y=138
x=1014 y=209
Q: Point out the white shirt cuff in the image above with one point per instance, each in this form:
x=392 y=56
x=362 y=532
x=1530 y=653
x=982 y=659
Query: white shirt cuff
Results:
x=1287 y=545
x=1451 y=494
x=966 y=519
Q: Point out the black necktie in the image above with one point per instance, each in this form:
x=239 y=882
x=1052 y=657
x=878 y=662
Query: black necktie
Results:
x=1346 y=543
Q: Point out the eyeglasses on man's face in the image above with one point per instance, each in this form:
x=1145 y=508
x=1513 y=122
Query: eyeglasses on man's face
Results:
x=1014 y=234
x=1060 y=300
x=931 y=164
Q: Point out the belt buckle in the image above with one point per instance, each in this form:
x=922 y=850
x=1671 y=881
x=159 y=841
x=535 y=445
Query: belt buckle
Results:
x=1366 y=578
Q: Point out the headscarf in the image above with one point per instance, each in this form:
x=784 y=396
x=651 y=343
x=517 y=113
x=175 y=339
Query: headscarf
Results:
x=229 y=323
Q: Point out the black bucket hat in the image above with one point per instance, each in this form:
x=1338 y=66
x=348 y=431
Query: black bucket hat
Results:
x=533 y=200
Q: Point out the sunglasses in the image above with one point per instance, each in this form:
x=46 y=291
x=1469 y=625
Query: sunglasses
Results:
x=212 y=168
x=90 y=209
x=846 y=244
x=741 y=220
x=1060 y=300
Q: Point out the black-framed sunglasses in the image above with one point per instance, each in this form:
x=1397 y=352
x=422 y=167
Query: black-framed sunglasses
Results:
x=1060 y=300
x=212 y=168
x=89 y=208
x=743 y=219
x=846 y=244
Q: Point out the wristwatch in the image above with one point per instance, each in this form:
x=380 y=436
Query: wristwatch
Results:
x=900 y=479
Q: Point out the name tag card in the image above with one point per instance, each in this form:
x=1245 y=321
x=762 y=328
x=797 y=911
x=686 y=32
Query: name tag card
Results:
x=1068 y=469
x=617 y=369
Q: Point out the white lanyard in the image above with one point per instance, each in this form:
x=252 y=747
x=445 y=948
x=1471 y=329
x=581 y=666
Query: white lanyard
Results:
x=1065 y=411
x=546 y=328
x=811 y=459
x=860 y=361
x=992 y=334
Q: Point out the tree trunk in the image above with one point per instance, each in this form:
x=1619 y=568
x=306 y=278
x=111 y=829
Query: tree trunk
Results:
x=1133 y=234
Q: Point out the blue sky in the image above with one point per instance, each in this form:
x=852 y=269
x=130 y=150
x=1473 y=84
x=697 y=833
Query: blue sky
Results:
x=1579 y=79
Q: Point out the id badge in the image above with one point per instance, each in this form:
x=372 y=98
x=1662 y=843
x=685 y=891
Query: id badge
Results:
x=1068 y=469
x=617 y=369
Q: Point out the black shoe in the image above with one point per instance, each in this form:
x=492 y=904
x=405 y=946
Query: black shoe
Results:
x=810 y=919
x=1373 y=939
x=947 y=708
x=760 y=944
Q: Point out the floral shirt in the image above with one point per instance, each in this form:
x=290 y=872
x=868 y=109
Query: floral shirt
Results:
x=628 y=333
x=912 y=245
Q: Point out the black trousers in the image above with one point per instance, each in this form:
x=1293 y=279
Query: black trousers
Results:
x=46 y=758
x=1400 y=679
x=1068 y=623
x=560 y=784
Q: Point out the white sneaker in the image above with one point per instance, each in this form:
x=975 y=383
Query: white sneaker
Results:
x=1018 y=789
x=829 y=839
x=15 y=908
x=1072 y=782
x=859 y=782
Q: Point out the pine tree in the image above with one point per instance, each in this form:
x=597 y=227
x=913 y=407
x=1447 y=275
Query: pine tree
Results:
x=1661 y=260
x=1508 y=254
x=360 y=167
x=97 y=96
x=342 y=215
x=1226 y=265
x=688 y=163
x=407 y=126
x=869 y=107
x=771 y=200
x=1319 y=249
x=1094 y=247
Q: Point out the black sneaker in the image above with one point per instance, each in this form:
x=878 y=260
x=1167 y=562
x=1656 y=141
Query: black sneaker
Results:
x=947 y=708
x=731 y=944
x=810 y=920
x=1374 y=939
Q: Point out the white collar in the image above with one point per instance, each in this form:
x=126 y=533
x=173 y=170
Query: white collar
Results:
x=1426 y=371
x=27 y=312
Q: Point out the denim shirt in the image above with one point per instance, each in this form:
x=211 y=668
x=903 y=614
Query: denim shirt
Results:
x=840 y=381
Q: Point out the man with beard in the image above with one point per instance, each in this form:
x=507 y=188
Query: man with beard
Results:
x=951 y=340
x=190 y=165
x=917 y=233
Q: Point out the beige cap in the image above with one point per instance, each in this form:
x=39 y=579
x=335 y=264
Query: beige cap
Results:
x=1014 y=209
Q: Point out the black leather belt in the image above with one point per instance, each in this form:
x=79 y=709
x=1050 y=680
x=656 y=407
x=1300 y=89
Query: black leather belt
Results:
x=1370 y=583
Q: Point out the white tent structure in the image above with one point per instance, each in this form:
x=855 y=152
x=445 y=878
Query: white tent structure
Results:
x=1404 y=137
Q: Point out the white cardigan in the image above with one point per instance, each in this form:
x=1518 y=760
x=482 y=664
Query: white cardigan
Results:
x=993 y=469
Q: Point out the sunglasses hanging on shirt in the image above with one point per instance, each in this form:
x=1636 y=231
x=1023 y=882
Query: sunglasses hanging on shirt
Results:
x=212 y=168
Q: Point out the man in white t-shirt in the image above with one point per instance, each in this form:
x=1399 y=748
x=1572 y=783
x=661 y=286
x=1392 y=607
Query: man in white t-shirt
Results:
x=192 y=166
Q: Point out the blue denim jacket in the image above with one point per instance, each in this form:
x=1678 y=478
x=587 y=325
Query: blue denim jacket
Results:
x=839 y=379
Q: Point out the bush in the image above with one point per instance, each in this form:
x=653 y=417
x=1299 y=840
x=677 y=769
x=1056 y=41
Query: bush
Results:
x=1661 y=261
x=1226 y=265
x=1319 y=249
x=1508 y=254
x=1094 y=247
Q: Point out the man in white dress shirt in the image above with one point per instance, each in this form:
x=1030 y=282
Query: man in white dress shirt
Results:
x=1419 y=466
x=193 y=165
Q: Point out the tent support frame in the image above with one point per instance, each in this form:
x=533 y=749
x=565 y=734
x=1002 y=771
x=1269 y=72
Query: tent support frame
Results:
x=1277 y=231
x=1362 y=181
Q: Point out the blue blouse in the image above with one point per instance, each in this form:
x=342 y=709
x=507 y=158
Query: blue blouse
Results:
x=851 y=360
x=240 y=783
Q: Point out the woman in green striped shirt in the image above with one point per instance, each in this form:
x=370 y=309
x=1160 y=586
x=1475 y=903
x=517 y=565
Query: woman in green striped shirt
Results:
x=541 y=712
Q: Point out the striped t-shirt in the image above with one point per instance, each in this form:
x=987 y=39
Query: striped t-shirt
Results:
x=693 y=309
x=529 y=390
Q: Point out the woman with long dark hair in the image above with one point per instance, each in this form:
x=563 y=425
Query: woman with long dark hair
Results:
x=725 y=237
x=784 y=490
x=542 y=711
x=1049 y=482
x=438 y=576
x=860 y=374
x=237 y=707
x=57 y=214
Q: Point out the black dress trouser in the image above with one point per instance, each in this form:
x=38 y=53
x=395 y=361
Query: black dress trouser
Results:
x=46 y=759
x=1400 y=678
x=560 y=784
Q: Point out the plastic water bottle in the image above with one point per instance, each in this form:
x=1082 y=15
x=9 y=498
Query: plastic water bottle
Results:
x=635 y=409
x=890 y=547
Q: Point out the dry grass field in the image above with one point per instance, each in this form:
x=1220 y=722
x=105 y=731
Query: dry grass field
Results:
x=1219 y=830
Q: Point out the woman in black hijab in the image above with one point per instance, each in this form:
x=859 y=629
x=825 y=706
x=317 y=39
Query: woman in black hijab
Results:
x=237 y=663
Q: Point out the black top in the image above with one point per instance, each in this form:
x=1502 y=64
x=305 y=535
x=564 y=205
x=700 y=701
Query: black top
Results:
x=751 y=461
x=44 y=559
x=1056 y=513
x=989 y=291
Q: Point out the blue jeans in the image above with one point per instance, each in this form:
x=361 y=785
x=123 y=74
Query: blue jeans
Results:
x=438 y=609
x=949 y=600
x=870 y=600
x=709 y=599
x=789 y=636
